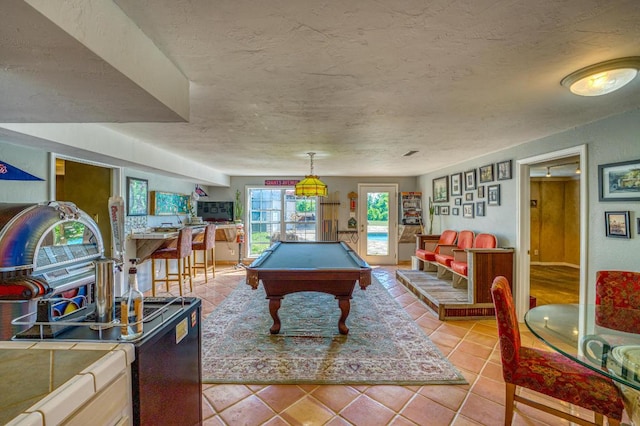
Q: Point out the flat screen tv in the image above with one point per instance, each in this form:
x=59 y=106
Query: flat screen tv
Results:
x=216 y=211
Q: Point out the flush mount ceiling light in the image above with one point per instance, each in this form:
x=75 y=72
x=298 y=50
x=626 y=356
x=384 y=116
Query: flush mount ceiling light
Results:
x=602 y=78
x=311 y=185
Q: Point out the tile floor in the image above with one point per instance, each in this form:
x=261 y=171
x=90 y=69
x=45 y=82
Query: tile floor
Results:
x=472 y=346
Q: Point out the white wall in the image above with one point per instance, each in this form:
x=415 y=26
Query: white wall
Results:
x=609 y=140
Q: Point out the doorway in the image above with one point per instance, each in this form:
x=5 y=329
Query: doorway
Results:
x=88 y=186
x=378 y=219
x=524 y=239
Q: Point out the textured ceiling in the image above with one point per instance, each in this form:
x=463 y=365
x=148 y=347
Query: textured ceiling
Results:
x=359 y=82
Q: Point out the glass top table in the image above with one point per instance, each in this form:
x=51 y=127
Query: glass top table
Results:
x=613 y=353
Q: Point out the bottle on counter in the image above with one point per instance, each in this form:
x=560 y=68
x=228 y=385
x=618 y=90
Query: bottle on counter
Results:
x=131 y=307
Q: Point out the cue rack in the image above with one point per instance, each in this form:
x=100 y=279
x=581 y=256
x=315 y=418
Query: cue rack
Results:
x=328 y=212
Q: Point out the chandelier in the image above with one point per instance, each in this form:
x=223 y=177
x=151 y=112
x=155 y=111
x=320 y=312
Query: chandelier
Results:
x=311 y=185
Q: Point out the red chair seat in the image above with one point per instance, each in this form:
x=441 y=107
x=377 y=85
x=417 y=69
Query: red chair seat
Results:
x=460 y=268
x=426 y=255
x=555 y=375
x=444 y=259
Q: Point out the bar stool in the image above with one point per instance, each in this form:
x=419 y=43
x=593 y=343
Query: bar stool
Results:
x=182 y=254
x=208 y=244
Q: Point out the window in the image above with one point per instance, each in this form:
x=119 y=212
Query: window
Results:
x=274 y=210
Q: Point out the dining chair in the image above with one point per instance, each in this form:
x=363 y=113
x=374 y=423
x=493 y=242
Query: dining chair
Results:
x=618 y=300
x=549 y=373
x=182 y=254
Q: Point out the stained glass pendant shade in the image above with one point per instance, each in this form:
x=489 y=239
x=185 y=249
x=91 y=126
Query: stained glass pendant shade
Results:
x=311 y=185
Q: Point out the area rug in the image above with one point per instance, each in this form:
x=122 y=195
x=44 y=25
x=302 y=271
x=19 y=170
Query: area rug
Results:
x=384 y=345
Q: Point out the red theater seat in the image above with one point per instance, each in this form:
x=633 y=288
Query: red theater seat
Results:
x=459 y=263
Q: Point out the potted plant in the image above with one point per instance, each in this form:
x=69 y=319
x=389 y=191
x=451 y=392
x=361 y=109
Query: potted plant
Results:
x=432 y=210
x=238 y=207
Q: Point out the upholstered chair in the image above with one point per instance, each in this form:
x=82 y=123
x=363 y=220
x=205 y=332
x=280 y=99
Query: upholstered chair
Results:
x=181 y=254
x=428 y=252
x=548 y=373
x=444 y=257
x=207 y=248
x=618 y=300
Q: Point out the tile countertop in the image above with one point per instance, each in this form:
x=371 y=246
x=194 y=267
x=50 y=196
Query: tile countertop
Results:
x=44 y=382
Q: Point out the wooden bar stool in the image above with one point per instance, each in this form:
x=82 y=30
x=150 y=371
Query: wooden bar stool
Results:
x=182 y=254
x=207 y=245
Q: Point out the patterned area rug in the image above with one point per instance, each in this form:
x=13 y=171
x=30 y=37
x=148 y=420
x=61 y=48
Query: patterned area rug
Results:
x=384 y=346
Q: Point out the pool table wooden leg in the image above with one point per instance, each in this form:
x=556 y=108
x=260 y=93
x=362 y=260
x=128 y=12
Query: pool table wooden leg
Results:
x=345 y=307
x=274 y=305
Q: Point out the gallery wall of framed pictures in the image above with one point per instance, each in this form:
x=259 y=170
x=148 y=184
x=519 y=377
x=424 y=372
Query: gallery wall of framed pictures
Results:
x=473 y=192
x=619 y=182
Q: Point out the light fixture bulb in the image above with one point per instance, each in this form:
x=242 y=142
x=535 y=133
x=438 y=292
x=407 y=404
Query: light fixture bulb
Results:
x=578 y=171
x=602 y=78
x=548 y=171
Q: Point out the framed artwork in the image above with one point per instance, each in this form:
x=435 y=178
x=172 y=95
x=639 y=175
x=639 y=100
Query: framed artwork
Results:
x=441 y=189
x=168 y=203
x=504 y=170
x=619 y=181
x=468 y=196
x=467 y=210
x=480 y=208
x=456 y=184
x=493 y=195
x=486 y=174
x=458 y=201
x=137 y=196
x=456 y=212
x=470 y=180
x=481 y=192
x=436 y=210
x=444 y=210
x=638 y=225
x=617 y=224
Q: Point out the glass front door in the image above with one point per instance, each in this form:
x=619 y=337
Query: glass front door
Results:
x=378 y=218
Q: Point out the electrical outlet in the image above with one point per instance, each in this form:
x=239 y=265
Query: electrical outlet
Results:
x=233 y=252
x=535 y=252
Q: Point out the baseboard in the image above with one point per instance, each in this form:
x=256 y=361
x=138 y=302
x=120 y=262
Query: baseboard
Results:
x=568 y=265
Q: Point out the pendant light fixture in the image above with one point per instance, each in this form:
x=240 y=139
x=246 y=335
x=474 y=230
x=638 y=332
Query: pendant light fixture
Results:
x=602 y=78
x=311 y=185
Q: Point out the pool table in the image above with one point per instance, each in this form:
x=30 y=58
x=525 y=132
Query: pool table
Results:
x=326 y=267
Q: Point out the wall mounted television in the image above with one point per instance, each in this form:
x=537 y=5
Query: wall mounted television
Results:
x=216 y=211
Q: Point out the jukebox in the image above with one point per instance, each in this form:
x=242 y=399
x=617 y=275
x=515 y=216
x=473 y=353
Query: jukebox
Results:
x=47 y=254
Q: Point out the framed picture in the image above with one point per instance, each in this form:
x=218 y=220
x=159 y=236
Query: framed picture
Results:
x=456 y=184
x=467 y=210
x=481 y=192
x=441 y=189
x=468 y=196
x=470 y=180
x=493 y=195
x=137 y=196
x=458 y=201
x=617 y=224
x=486 y=174
x=480 y=208
x=619 y=181
x=444 y=210
x=456 y=211
x=638 y=225
x=504 y=170
x=436 y=210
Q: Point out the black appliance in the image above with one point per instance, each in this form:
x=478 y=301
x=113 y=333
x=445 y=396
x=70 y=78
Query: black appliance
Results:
x=216 y=211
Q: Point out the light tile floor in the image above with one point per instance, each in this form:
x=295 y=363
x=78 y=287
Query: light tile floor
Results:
x=472 y=346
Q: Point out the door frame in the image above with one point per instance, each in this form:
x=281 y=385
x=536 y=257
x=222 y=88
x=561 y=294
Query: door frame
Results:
x=523 y=231
x=392 y=188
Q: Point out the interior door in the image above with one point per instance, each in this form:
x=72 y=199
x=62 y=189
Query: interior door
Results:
x=378 y=223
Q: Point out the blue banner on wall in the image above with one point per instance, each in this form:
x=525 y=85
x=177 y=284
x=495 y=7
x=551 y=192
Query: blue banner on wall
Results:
x=9 y=172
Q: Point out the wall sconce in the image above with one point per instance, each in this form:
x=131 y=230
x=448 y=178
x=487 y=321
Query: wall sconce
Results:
x=602 y=78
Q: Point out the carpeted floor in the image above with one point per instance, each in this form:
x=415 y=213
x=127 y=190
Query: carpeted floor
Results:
x=383 y=345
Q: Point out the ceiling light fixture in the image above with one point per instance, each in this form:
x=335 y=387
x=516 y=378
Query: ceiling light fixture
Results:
x=548 y=171
x=578 y=171
x=602 y=78
x=311 y=185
